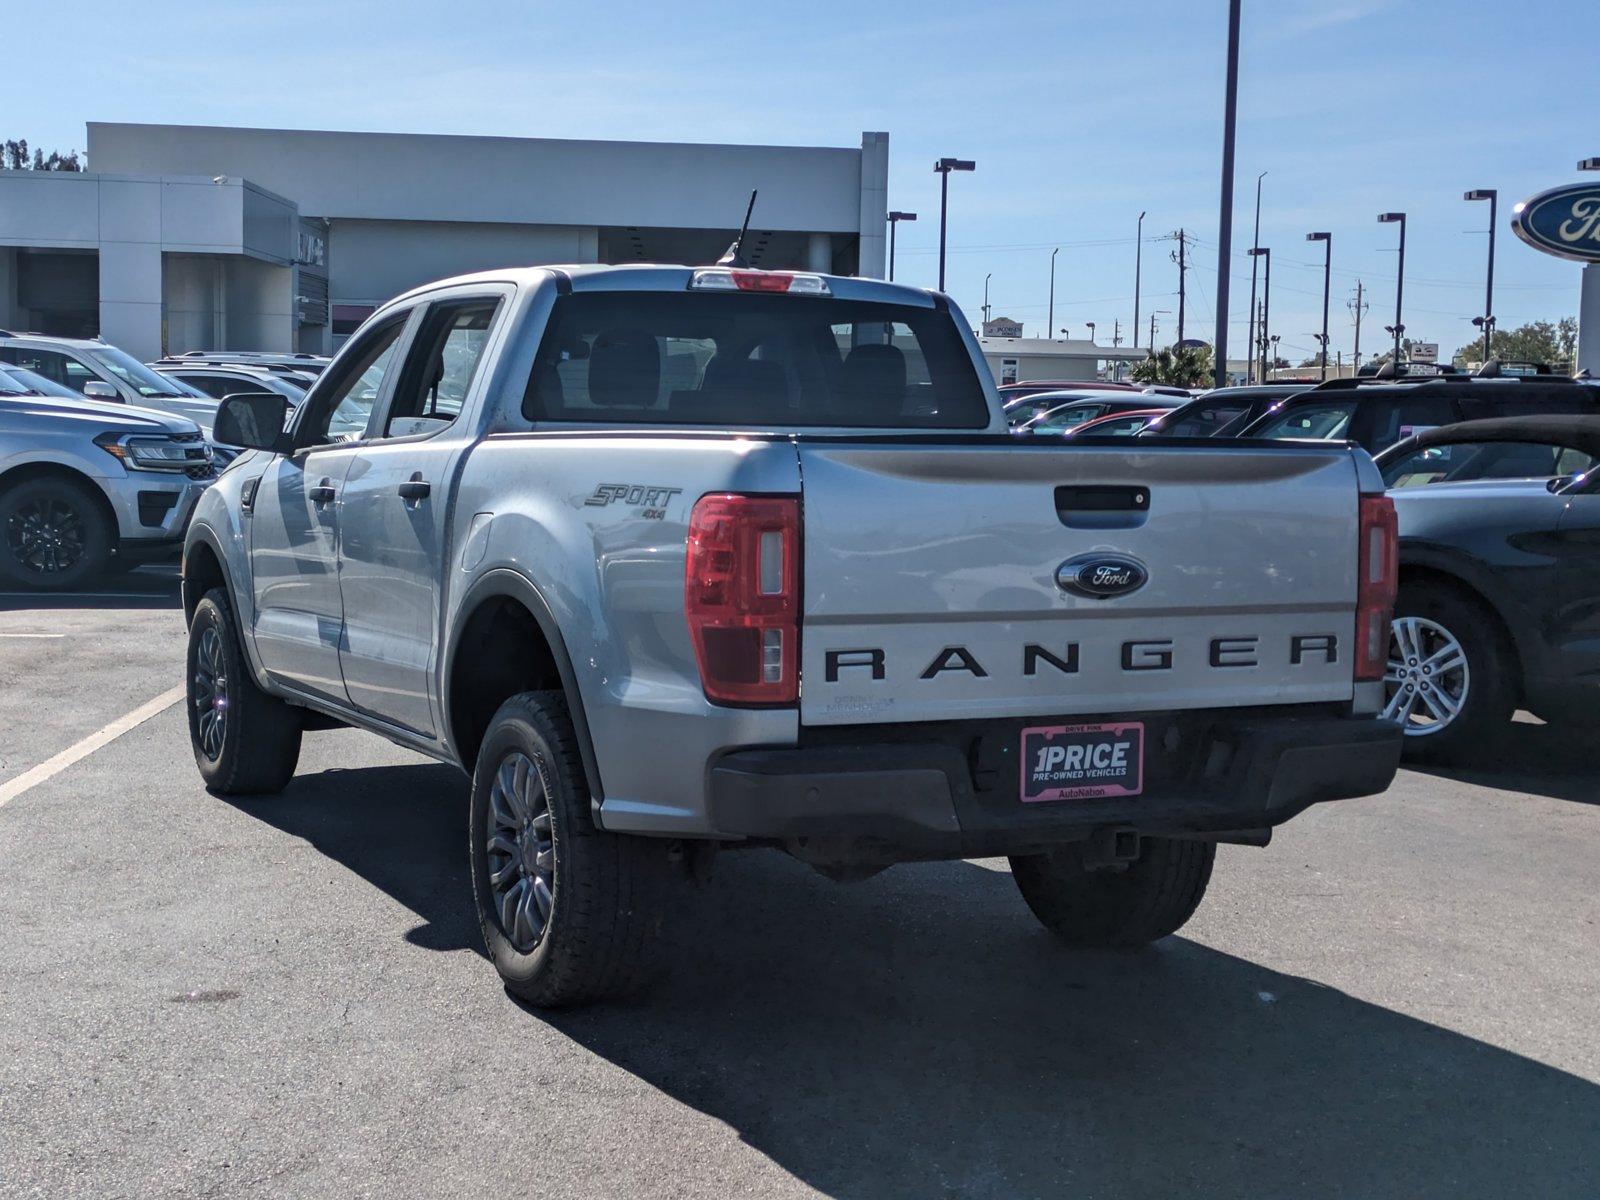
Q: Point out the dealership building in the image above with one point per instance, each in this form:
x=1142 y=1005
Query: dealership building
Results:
x=199 y=238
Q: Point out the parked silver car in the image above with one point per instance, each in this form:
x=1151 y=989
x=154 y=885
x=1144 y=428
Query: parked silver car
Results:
x=97 y=370
x=86 y=485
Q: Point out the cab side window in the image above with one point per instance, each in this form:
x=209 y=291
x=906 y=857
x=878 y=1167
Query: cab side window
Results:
x=342 y=405
x=440 y=366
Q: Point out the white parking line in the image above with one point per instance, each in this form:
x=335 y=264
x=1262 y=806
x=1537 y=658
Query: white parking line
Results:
x=34 y=776
x=87 y=595
x=32 y=635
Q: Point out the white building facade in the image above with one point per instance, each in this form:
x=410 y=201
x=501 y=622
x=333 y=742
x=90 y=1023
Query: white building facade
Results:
x=193 y=237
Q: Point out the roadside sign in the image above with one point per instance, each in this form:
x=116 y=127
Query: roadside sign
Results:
x=1425 y=352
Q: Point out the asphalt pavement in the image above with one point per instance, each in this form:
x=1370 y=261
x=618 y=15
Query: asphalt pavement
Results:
x=286 y=997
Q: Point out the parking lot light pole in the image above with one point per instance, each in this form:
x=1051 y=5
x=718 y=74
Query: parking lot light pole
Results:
x=1230 y=109
x=1492 y=196
x=1266 y=309
x=1399 y=328
x=986 y=279
x=894 y=219
x=1138 y=254
x=1327 y=277
x=944 y=166
x=1255 y=240
x=1050 y=318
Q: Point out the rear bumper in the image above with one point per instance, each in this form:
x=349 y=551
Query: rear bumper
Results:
x=953 y=792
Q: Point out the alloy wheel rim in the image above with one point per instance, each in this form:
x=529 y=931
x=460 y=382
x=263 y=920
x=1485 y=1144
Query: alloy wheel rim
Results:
x=521 y=850
x=45 y=536
x=1427 y=677
x=211 y=693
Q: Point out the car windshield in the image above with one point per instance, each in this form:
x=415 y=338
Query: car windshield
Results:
x=28 y=382
x=729 y=359
x=1324 y=419
x=1485 y=460
x=138 y=376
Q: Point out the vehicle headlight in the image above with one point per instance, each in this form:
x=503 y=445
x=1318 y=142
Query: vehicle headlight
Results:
x=147 y=452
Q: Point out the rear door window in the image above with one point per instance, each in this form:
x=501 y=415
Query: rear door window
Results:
x=1390 y=421
x=1316 y=419
x=743 y=359
x=1484 y=460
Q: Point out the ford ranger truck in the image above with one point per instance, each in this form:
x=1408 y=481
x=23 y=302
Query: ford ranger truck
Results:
x=672 y=560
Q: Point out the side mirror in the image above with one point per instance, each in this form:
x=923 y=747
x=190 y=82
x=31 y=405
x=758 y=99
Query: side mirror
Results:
x=254 y=420
x=99 y=389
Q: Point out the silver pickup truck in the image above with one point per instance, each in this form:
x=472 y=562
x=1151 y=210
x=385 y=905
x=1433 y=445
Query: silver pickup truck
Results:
x=672 y=560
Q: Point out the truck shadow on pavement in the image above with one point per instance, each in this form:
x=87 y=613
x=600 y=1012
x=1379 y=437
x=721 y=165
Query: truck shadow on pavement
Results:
x=918 y=1035
x=401 y=828
x=1541 y=760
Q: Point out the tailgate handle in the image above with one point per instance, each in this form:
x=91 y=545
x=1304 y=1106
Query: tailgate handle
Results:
x=1102 y=506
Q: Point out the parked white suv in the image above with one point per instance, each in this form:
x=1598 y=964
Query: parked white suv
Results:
x=100 y=371
x=86 y=485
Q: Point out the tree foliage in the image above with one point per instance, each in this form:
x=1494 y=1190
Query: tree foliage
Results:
x=1553 y=342
x=14 y=154
x=1181 y=366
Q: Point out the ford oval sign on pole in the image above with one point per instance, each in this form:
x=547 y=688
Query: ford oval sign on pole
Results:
x=1563 y=221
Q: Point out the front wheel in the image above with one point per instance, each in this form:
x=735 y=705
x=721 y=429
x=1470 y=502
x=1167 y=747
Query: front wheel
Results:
x=569 y=913
x=56 y=534
x=1121 y=906
x=245 y=742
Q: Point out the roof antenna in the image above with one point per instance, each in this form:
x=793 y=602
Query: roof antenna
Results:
x=734 y=255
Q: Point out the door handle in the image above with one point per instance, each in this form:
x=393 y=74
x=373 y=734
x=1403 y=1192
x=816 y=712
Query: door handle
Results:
x=415 y=488
x=323 y=493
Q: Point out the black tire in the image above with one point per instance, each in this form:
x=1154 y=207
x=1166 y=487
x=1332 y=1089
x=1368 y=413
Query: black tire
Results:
x=1490 y=695
x=1116 y=907
x=600 y=910
x=54 y=534
x=259 y=743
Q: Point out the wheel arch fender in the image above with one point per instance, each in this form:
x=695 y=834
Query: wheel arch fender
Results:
x=500 y=585
x=53 y=468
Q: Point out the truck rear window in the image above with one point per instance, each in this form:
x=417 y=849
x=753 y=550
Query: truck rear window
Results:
x=695 y=358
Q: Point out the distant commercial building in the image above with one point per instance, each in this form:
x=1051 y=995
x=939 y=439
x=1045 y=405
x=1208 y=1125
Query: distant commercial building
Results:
x=1019 y=359
x=190 y=237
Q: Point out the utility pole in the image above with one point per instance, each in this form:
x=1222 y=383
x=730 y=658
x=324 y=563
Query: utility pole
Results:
x=1183 y=267
x=1116 y=341
x=1152 y=332
x=1357 y=306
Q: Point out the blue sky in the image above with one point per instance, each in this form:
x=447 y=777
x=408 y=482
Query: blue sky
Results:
x=1079 y=116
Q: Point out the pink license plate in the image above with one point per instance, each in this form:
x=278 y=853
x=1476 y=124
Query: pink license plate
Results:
x=1082 y=762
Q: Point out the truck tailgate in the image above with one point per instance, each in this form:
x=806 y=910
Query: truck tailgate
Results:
x=931 y=578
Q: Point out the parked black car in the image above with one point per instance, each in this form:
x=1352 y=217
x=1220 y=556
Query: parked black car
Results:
x=1222 y=412
x=1499 y=603
x=1378 y=414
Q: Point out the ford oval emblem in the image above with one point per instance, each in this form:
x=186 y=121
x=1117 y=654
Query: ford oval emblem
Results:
x=1564 y=221
x=1101 y=576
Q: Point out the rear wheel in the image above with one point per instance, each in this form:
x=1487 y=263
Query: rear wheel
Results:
x=245 y=742
x=569 y=913
x=56 y=534
x=1448 y=680
x=1121 y=906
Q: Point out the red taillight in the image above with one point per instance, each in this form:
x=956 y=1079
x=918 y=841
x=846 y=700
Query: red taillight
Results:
x=1379 y=566
x=741 y=594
